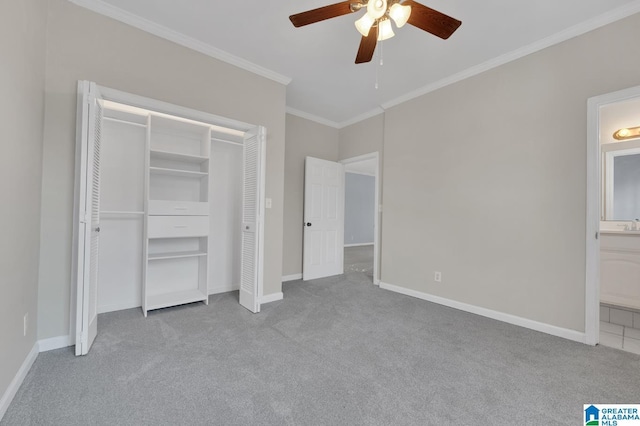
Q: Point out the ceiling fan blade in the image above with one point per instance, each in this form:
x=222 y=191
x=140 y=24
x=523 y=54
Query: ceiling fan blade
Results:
x=431 y=20
x=367 y=46
x=320 y=14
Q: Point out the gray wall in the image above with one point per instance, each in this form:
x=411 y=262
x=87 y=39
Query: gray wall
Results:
x=303 y=138
x=502 y=203
x=85 y=45
x=22 y=52
x=361 y=138
x=359 y=205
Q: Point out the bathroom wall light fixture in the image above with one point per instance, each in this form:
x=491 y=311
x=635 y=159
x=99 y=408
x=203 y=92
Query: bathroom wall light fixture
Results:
x=627 y=133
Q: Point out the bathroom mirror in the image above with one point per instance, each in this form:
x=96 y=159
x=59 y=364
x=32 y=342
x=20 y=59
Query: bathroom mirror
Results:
x=622 y=184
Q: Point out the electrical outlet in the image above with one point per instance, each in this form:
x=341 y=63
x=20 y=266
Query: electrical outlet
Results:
x=437 y=276
x=25 y=324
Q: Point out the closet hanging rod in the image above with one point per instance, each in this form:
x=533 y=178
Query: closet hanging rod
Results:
x=117 y=120
x=225 y=141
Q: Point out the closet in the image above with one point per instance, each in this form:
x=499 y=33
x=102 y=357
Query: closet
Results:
x=179 y=205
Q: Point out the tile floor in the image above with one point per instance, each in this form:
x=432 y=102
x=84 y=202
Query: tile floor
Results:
x=620 y=328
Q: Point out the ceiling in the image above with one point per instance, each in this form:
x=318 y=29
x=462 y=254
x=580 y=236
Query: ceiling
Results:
x=325 y=84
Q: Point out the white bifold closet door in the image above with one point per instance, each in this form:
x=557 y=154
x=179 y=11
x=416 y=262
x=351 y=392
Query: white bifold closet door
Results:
x=253 y=220
x=87 y=216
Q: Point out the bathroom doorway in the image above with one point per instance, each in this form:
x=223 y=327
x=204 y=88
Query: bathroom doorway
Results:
x=613 y=221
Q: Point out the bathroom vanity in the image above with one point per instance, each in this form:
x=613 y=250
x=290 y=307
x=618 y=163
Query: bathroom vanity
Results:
x=620 y=267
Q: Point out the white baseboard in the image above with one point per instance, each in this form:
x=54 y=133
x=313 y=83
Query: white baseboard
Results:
x=291 y=277
x=500 y=316
x=17 y=380
x=53 y=343
x=358 y=245
x=223 y=289
x=272 y=297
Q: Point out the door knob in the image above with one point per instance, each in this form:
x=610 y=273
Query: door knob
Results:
x=308 y=223
x=98 y=229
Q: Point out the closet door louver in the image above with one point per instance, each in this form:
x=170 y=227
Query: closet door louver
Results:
x=88 y=218
x=252 y=220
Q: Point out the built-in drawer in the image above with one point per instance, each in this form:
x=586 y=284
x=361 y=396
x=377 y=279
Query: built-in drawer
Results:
x=169 y=208
x=177 y=226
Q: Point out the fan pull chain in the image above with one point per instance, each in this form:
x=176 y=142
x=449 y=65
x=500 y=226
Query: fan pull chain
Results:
x=380 y=56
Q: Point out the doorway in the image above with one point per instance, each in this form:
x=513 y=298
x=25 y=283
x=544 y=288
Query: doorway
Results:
x=601 y=228
x=361 y=235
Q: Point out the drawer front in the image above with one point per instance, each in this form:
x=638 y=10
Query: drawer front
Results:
x=168 y=208
x=177 y=226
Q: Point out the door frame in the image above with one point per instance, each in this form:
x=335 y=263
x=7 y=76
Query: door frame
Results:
x=377 y=209
x=594 y=173
x=114 y=95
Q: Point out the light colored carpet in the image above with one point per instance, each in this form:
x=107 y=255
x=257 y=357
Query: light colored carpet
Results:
x=335 y=351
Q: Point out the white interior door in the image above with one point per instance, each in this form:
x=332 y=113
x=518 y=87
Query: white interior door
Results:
x=253 y=220
x=88 y=216
x=323 y=219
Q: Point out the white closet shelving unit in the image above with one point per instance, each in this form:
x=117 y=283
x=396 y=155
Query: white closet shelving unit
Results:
x=177 y=213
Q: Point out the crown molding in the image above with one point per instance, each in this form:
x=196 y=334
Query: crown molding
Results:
x=569 y=33
x=361 y=117
x=103 y=8
x=312 y=117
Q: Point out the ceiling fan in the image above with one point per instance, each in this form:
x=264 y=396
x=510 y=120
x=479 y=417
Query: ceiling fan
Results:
x=375 y=24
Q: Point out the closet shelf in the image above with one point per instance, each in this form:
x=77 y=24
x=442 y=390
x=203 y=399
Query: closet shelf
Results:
x=166 y=155
x=176 y=255
x=177 y=172
x=164 y=300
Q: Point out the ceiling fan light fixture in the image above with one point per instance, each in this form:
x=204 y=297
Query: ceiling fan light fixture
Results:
x=376 y=8
x=400 y=14
x=364 y=24
x=385 y=31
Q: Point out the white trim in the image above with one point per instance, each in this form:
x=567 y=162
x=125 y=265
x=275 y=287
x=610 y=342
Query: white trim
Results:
x=274 y=297
x=161 y=31
x=223 y=289
x=312 y=117
x=103 y=309
x=569 y=33
x=376 y=222
x=162 y=107
x=15 y=384
x=500 y=316
x=359 y=173
x=361 y=117
x=292 y=277
x=53 y=343
x=358 y=158
x=592 y=254
x=359 y=244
